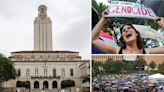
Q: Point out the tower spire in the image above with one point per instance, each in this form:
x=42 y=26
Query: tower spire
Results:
x=42 y=11
x=42 y=30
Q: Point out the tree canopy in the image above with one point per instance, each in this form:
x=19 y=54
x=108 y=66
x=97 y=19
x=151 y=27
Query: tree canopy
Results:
x=111 y=66
x=96 y=68
x=7 y=70
x=161 y=68
x=152 y=65
x=140 y=63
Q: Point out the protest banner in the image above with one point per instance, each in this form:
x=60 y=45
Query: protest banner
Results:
x=129 y=9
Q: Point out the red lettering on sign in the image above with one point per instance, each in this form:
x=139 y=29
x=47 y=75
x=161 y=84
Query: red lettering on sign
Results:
x=117 y=9
x=129 y=9
x=139 y=11
x=123 y=10
x=110 y=10
x=150 y=12
x=133 y=10
x=143 y=11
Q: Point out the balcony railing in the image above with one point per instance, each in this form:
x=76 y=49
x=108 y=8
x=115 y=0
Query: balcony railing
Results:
x=57 y=77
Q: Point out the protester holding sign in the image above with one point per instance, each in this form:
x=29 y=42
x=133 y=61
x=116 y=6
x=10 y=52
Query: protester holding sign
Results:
x=129 y=36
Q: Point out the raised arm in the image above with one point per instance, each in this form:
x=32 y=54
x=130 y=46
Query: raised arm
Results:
x=97 y=29
x=157 y=50
x=98 y=44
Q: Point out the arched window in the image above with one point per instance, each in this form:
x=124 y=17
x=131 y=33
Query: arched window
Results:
x=54 y=84
x=36 y=84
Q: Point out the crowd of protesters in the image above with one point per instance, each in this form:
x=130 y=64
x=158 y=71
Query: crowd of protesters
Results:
x=127 y=83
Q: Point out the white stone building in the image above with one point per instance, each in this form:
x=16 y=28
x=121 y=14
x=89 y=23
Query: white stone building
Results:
x=48 y=68
x=43 y=67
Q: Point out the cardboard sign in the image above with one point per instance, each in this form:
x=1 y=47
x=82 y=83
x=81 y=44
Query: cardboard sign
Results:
x=129 y=9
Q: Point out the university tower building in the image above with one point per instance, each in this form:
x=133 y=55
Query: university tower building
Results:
x=44 y=68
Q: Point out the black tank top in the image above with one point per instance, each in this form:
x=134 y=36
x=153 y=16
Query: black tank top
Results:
x=120 y=51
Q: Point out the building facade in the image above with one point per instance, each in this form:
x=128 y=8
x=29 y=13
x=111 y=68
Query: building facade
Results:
x=47 y=69
x=103 y=58
x=158 y=59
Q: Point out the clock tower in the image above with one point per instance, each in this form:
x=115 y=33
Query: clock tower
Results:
x=42 y=30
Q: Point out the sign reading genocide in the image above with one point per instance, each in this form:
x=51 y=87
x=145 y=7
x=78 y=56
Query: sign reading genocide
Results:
x=129 y=9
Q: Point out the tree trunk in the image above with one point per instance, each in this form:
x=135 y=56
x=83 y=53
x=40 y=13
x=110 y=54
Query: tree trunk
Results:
x=0 y=84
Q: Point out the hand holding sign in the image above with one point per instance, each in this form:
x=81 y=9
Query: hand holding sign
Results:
x=160 y=21
x=105 y=12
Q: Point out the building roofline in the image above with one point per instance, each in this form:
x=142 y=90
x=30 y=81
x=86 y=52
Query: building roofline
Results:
x=51 y=61
x=61 y=51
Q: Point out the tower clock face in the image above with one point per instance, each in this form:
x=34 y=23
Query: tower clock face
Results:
x=42 y=10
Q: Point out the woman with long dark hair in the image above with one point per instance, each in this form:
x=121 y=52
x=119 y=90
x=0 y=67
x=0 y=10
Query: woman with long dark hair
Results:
x=130 y=37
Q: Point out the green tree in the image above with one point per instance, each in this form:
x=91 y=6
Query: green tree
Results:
x=161 y=68
x=100 y=7
x=96 y=68
x=113 y=66
x=152 y=65
x=140 y=63
x=118 y=66
x=86 y=78
x=67 y=83
x=109 y=66
x=25 y=84
x=7 y=70
x=129 y=66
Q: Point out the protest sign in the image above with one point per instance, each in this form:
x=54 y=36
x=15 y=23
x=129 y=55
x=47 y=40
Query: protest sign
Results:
x=129 y=9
